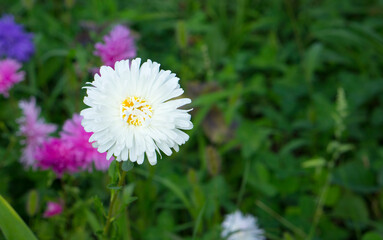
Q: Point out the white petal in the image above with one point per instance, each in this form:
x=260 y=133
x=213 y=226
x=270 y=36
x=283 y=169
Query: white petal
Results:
x=140 y=159
x=152 y=157
x=162 y=124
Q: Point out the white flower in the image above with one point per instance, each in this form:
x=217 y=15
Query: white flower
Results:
x=132 y=111
x=237 y=226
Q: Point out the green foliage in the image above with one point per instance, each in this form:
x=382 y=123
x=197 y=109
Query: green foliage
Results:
x=11 y=225
x=287 y=113
x=127 y=166
x=32 y=202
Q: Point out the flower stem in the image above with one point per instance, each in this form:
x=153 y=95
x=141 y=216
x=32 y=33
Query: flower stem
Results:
x=319 y=209
x=113 y=198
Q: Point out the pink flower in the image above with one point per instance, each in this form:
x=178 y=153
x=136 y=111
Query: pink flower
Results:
x=9 y=75
x=72 y=152
x=74 y=133
x=59 y=155
x=53 y=209
x=119 y=45
x=35 y=131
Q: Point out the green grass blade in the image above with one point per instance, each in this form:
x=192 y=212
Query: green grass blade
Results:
x=198 y=221
x=173 y=187
x=12 y=226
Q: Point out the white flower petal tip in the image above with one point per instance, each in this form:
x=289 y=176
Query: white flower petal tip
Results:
x=237 y=226
x=133 y=111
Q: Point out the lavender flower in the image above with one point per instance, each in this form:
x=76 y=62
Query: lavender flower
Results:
x=14 y=41
x=34 y=129
x=9 y=75
x=119 y=45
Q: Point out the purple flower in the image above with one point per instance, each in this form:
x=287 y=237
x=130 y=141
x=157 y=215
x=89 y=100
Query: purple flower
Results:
x=9 y=75
x=119 y=45
x=74 y=133
x=53 y=209
x=35 y=131
x=14 y=41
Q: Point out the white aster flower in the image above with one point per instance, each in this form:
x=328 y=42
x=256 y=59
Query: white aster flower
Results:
x=237 y=226
x=132 y=111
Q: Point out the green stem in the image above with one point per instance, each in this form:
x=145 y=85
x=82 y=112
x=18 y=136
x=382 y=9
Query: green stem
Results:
x=294 y=23
x=322 y=198
x=114 y=195
x=281 y=219
x=244 y=182
x=128 y=225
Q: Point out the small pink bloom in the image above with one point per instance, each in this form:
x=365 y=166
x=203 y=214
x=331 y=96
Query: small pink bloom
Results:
x=119 y=45
x=59 y=156
x=72 y=152
x=35 y=131
x=9 y=75
x=53 y=209
x=74 y=133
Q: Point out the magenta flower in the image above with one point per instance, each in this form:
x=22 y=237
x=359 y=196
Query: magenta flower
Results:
x=74 y=133
x=35 y=131
x=59 y=155
x=53 y=209
x=119 y=45
x=9 y=75
x=71 y=153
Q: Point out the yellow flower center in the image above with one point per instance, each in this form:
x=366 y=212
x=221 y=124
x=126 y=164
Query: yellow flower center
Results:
x=136 y=111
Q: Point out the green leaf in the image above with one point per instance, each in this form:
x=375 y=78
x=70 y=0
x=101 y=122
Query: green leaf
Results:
x=129 y=200
x=333 y=195
x=173 y=187
x=99 y=206
x=198 y=221
x=113 y=171
x=181 y=33
x=127 y=192
x=12 y=226
x=352 y=207
x=312 y=60
x=260 y=180
x=92 y=221
x=355 y=176
x=314 y=162
x=287 y=236
x=114 y=186
x=372 y=236
x=32 y=202
x=127 y=166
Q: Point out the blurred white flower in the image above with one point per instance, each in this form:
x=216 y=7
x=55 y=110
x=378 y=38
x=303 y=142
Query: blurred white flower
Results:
x=132 y=111
x=237 y=226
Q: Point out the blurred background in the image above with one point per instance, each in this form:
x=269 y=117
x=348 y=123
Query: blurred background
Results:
x=288 y=117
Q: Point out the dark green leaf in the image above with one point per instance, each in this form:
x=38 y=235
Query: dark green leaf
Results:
x=127 y=165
